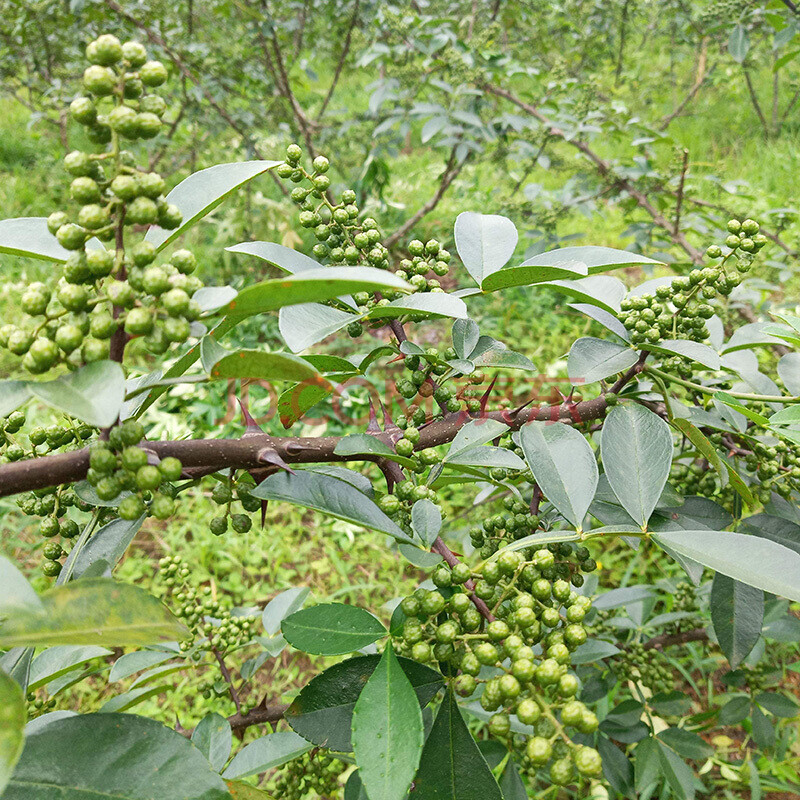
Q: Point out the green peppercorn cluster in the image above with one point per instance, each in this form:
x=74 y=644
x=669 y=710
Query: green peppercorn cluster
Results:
x=679 y=310
x=422 y=371
x=102 y=290
x=50 y=503
x=649 y=668
x=38 y=705
x=211 y=626
x=776 y=467
x=344 y=238
x=684 y=600
x=121 y=467
x=225 y=493
x=531 y=606
x=311 y=776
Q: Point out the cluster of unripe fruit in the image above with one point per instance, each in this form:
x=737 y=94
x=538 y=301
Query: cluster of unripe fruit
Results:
x=343 y=238
x=225 y=493
x=776 y=467
x=51 y=503
x=421 y=380
x=103 y=291
x=211 y=626
x=679 y=310
x=313 y=775
x=122 y=466
x=649 y=668
x=531 y=606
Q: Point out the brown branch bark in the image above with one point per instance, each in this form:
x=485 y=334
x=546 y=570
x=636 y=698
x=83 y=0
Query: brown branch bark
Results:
x=258 y=716
x=204 y=456
x=452 y=559
x=668 y=639
x=700 y=77
x=605 y=170
x=340 y=64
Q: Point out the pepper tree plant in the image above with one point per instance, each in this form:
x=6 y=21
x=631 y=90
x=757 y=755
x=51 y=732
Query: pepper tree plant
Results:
x=667 y=430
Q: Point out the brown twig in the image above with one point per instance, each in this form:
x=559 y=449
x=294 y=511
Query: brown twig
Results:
x=340 y=64
x=226 y=674
x=451 y=171
x=452 y=559
x=668 y=639
x=700 y=77
x=605 y=170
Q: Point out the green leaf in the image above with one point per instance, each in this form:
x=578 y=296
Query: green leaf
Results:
x=617 y=768
x=92 y=611
x=12 y=395
x=131 y=663
x=566 y=262
x=734 y=711
x=387 y=731
x=778 y=704
x=29 y=237
x=593 y=650
x=474 y=433
x=323 y=710
x=331 y=629
x=603 y=291
x=694 y=351
x=260 y=366
x=789 y=372
x=426 y=520
x=93 y=394
x=308 y=323
x=750 y=335
x=484 y=242
x=500 y=357
x=359 y=444
x=265 y=753
x=53 y=662
x=281 y=606
x=739 y=43
x=466 y=336
x=486 y=456
x=131 y=698
x=295 y=402
x=593 y=359
x=763 y=729
x=331 y=496
x=17 y=594
x=244 y=791
x=732 y=402
x=120 y=756
x=636 y=449
x=686 y=743
x=312 y=286
x=511 y=784
x=704 y=447
x=284 y=258
x=212 y=298
x=678 y=774
x=436 y=304
x=108 y=544
x=564 y=466
x=452 y=767
x=213 y=738
x=749 y=559
x=12 y=726
x=647 y=768
x=737 y=612
x=200 y=193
